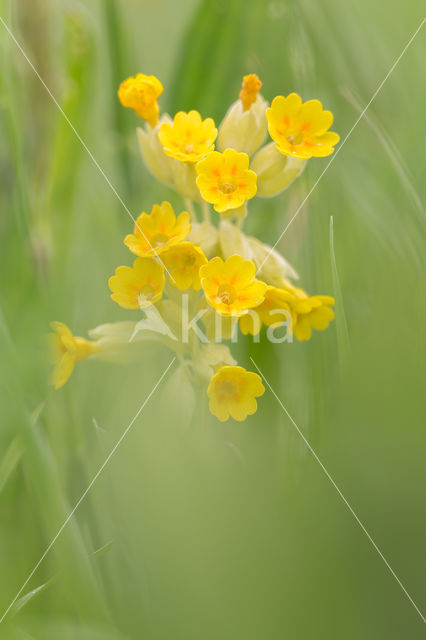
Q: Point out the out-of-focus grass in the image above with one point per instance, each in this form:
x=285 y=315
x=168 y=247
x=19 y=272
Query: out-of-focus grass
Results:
x=222 y=530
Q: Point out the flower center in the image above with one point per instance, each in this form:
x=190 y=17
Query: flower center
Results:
x=189 y=260
x=296 y=139
x=229 y=387
x=189 y=148
x=146 y=293
x=227 y=188
x=159 y=240
x=226 y=294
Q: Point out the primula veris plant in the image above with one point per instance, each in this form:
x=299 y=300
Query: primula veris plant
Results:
x=197 y=264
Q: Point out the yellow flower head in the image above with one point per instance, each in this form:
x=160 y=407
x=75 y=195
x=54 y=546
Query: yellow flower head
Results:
x=189 y=138
x=300 y=129
x=156 y=232
x=225 y=180
x=250 y=87
x=232 y=392
x=140 y=93
x=139 y=286
x=183 y=262
x=274 y=310
x=309 y=312
x=66 y=350
x=230 y=286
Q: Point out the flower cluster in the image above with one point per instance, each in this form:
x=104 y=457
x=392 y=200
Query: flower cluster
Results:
x=189 y=269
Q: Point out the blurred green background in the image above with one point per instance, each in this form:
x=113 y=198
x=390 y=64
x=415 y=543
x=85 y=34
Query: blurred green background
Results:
x=221 y=530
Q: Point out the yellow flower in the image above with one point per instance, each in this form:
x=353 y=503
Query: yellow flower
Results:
x=309 y=312
x=300 y=129
x=156 y=232
x=140 y=93
x=232 y=392
x=225 y=180
x=66 y=351
x=183 y=262
x=250 y=87
x=274 y=310
x=139 y=286
x=189 y=138
x=230 y=286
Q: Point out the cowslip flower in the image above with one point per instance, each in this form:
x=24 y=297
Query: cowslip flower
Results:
x=139 y=286
x=189 y=138
x=183 y=262
x=300 y=129
x=244 y=125
x=230 y=286
x=156 y=232
x=274 y=311
x=66 y=350
x=232 y=391
x=309 y=312
x=140 y=93
x=225 y=180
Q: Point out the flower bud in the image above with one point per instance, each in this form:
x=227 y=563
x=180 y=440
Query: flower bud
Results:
x=211 y=357
x=243 y=130
x=118 y=342
x=140 y=93
x=275 y=171
x=184 y=175
x=206 y=236
x=271 y=265
x=235 y=214
x=233 y=240
x=156 y=161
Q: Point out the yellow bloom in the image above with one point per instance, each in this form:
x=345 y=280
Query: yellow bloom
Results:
x=140 y=93
x=230 y=286
x=156 y=232
x=66 y=351
x=300 y=129
x=250 y=87
x=183 y=262
x=189 y=138
x=139 y=286
x=274 y=310
x=232 y=392
x=225 y=180
x=309 y=312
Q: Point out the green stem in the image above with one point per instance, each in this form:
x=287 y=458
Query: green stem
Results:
x=190 y=206
x=206 y=211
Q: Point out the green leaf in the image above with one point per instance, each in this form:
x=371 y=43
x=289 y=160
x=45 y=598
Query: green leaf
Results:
x=22 y=602
x=10 y=461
